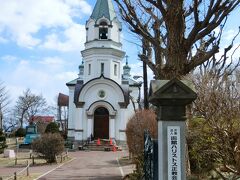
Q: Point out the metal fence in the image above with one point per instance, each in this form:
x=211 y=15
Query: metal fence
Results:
x=150 y=157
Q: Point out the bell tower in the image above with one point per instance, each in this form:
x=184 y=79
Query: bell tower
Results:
x=103 y=49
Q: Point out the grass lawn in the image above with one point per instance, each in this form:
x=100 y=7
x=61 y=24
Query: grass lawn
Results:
x=22 y=158
x=23 y=155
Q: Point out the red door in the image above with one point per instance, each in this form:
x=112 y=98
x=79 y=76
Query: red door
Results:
x=101 y=123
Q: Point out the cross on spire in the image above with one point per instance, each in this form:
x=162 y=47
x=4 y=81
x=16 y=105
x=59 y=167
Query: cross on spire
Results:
x=126 y=59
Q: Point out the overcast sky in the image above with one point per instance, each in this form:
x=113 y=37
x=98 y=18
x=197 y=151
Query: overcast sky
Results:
x=40 y=44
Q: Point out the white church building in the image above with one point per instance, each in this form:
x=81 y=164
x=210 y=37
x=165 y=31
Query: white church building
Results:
x=103 y=97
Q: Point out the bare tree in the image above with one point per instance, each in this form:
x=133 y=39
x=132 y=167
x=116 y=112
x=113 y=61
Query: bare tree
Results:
x=181 y=33
x=218 y=110
x=4 y=102
x=29 y=105
x=10 y=122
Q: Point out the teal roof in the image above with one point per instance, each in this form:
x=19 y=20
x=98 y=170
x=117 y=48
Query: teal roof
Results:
x=81 y=66
x=72 y=83
x=126 y=67
x=103 y=8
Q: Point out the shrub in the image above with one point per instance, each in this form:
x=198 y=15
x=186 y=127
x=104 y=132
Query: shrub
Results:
x=49 y=145
x=64 y=135
x=68 y=144
x=142 y=120
x=2 y=138
x=3 y=143
x=21 y=132
x=138 y=173
x=41 y=127
x=237 y=154
x=1 y=132
x=52 y=127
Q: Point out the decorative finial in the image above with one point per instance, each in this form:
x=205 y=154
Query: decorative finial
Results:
x=126 y=59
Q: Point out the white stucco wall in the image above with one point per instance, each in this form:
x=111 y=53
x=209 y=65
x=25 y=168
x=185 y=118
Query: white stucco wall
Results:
x=109 y=59
x=93 y=29
x=115 y=32
x=97 y=51
x=89 y=95
x=71 y=118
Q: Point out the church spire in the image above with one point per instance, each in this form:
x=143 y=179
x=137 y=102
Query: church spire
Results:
x=103 y=25
x=81 y=71
x=103 y=48
x=103 y=8
x=126 y=69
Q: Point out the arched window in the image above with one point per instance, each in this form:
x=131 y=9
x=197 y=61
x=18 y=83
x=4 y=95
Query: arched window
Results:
x=103 y=30
x=115 y=69
x=89 y=69
x=102 y=68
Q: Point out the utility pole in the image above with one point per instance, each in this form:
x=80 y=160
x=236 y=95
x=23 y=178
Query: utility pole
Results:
x=1 y=117
x=145 y=80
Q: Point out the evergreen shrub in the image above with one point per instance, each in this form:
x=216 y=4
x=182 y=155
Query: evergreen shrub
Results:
x=3 y=143
x=21 y=132
x=52 y=127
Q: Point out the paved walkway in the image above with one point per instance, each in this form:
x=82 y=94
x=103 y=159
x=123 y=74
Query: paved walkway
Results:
x=96 y=165
x=91 y=165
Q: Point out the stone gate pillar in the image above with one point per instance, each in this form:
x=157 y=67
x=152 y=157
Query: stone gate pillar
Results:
x=171 y=98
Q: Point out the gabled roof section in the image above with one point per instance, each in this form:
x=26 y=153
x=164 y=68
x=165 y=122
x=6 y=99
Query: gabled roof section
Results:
x=72 y=83
x=103 y=8
x=44 y=119
x=79 y=87
x=131 y=82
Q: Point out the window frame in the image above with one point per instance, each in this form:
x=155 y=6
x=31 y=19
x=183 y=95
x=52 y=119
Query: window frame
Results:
x=89 y=69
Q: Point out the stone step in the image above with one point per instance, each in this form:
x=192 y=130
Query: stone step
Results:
x=104 y=146
x=95 y=147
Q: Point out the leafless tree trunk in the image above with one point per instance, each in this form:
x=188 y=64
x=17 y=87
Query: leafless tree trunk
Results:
x=146 y=52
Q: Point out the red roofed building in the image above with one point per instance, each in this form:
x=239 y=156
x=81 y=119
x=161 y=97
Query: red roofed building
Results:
x=41 y=122
x=45 y=119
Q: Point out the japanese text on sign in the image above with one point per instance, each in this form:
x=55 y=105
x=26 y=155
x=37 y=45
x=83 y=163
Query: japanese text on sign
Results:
x=174 y=151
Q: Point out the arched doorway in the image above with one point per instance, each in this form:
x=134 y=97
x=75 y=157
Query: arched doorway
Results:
x=101 y=123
